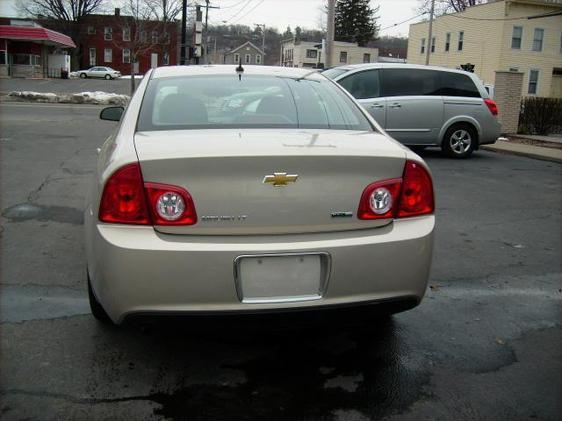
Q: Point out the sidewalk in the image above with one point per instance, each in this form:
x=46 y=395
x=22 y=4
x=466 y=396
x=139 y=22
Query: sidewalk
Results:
x=543 y=147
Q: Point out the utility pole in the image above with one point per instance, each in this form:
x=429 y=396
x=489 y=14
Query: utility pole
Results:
x=262 y=26
x=328 y=55
x=207 y=7
x=430 y=35
x=183 y=31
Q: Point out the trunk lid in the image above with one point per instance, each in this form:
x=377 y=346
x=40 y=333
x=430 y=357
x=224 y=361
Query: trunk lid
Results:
x=224 y=172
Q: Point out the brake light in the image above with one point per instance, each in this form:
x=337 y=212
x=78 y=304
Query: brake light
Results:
x=416 y=197
x=411 y=195
x=123 y=200
x=492 y=106
x=170 y=205
x=126 y=199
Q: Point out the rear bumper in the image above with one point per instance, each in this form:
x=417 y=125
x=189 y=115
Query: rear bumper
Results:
x=135 y=270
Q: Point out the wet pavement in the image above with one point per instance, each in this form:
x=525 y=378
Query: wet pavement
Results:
x=484 y=344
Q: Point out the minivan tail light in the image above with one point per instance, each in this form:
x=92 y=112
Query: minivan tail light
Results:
x=492 y=106
x=411 y=195
x=170 y=205
x=123 y=200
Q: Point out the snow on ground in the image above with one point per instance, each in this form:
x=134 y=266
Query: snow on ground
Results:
x=97 y=97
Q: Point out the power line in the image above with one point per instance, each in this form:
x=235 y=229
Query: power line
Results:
x=404 y=21
x=249 y=11
x=239 y=11
x=233 y=5
x=542 y=15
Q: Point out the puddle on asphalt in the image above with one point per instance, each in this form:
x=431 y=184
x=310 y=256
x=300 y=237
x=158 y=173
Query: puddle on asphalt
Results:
x=30 y=211
x=307 y=375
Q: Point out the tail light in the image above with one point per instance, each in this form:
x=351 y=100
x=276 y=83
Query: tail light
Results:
x=411 y=195
x=492 y=106
x=126 y=199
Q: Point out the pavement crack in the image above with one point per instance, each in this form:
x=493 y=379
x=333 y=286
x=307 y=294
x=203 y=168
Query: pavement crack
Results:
x=74 y=399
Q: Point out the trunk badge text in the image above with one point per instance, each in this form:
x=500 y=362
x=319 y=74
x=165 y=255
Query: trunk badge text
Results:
x=280 y=179
x=224 y=217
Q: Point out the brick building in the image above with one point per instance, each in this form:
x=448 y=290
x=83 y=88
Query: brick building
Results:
x=115 y=40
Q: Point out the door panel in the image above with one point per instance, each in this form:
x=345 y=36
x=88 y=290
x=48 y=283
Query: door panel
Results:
x=377 y=108
x=414 y=120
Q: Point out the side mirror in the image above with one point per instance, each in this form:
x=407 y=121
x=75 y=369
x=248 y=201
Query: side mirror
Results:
x=112 y=113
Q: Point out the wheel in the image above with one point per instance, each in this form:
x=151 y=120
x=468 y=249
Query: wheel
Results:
x=95 y=306
x=107 y=77
x=83 y=75
x=459 y=141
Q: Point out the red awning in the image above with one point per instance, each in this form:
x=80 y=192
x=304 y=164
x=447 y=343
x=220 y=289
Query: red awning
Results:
x=36 y=34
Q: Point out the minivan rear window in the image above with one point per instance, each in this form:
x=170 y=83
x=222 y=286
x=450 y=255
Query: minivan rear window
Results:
x=253 y=101
x=408 y=82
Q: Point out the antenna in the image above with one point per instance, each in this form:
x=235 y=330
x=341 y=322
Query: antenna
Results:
x=240 y=70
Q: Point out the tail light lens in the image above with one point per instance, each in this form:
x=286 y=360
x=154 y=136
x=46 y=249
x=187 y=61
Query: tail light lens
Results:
x=123 y=200
x=170 y=205
x=492 y=106
x=411 y=195
x=126 y=199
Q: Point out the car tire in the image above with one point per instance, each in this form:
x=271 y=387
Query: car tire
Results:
x=107 y=77
x=97 y=310
x=83 y=75
x=459 y=141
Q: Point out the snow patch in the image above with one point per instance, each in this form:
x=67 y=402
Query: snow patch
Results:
x=97 y=97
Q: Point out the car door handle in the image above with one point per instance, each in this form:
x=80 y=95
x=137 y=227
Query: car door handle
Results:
x=377 y=106
x=395 y=105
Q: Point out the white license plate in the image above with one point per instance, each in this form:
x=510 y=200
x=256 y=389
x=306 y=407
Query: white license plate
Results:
x=281 y=278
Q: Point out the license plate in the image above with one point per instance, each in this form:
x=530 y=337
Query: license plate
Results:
x=281 y=278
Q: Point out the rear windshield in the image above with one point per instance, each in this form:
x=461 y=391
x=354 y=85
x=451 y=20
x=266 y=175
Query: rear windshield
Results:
x=254 y=101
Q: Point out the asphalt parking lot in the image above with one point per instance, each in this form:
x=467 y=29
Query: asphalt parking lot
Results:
x=485 y=344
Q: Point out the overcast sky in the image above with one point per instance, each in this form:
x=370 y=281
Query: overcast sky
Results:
x=280 y=13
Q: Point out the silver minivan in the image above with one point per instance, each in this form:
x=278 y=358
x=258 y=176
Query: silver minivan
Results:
x=424 y=105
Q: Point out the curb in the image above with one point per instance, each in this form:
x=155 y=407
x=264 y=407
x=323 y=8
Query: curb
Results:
x=527 y=152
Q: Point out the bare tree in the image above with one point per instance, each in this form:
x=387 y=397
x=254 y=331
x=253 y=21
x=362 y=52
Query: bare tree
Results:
x=165 y=10
x=448 y=6
x=66 y=10
x=145 y=32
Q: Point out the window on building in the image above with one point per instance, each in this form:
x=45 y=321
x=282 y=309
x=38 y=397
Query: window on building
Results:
x=126 y=33
x=107 y=55
x=461 y=40
x=516 y=37
x=362 y=85
x=422 y=47
x=3 y=57
x=22 y=59
x=126 y=55
x=433 y=44
x=237 y=58
x=91 y=30
x=92 y=56
x=258 y=58
x=311 y=54
x=343 y=56
x=108 y=33
x=37 y=60
x=247 y=58
x=155 y=37
x=166 y=37
x=143 y=36
x=537 y=39
x=448 y=41
x=165 y=59
x=533 y=81
x=366 y=58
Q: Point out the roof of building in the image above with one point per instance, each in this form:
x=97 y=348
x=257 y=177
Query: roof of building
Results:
x=243 y=45
x=36 y=34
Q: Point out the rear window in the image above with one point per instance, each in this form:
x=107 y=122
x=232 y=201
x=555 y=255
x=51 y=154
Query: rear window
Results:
x=224 y=101
x=408 y=82
x=334 y=72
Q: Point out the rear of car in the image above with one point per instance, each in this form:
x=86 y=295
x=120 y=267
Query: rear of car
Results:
x=423 y=105
x=267 y=191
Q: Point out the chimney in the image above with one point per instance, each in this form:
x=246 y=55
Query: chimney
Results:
x=117 y=11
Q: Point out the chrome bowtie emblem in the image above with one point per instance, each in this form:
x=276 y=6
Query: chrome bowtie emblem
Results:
x=279 y=179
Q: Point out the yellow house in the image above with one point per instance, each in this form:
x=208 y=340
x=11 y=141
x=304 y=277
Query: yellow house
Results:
x=505 y=35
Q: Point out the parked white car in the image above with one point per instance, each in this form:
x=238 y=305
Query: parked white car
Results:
x=99 y=71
